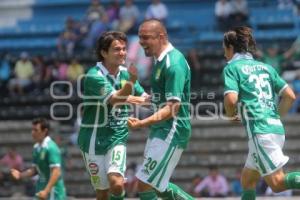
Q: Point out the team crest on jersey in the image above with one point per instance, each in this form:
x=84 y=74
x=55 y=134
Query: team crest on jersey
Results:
x=123 y=83
x=42 y=155
x=93 y=168
x=102 y=91
x=157 y=74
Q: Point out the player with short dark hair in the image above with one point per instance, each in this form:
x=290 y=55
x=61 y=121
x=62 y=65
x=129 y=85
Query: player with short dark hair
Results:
x=46 y=163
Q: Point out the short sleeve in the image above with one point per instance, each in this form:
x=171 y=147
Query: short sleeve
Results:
x=98 y=87
x=279 y=83
x=54 y=156
x=175 y=80
x=138 y=89
x=230 y=81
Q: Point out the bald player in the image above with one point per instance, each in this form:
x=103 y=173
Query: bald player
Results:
x=170 y=127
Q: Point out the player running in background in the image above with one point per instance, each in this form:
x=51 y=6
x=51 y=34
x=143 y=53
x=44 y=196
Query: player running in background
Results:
x=46 y=163
x=252 y=86
x=103 y=133
x=170 y=124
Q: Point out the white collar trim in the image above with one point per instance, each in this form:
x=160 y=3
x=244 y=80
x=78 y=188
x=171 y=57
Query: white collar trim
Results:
x=164 y=53
x=238 y=56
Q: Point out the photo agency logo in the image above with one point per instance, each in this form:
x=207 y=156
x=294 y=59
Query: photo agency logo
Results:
x=203 y=106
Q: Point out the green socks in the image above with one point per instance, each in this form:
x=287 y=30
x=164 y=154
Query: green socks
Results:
x=175 y=192
x=113 y=197
x=292 y=180
x=248 y=195
x=148 y=195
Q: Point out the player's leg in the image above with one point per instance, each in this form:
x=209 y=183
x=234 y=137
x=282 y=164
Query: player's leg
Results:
x=250 y=174
x=249 y=179
x=102 y=194
x=97 y=171
x=115 y=161
x=269 y=150
x=160 y=161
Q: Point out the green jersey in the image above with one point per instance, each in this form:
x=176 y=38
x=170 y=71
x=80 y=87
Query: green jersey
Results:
x=45 y=156
x=103 y=126
x=170 y=80
x=256 y=84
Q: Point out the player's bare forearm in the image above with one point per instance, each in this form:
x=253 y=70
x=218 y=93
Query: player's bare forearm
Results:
x=136 y=100
x=287 y=99
x=230 y=104
x=122 y=94
x=168 y=111
x=30 y=172
x=55 y=174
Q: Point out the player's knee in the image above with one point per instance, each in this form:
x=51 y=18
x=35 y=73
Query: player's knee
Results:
x=248 y=183
x=102 y=194
x=277 y=186
x=117 y=186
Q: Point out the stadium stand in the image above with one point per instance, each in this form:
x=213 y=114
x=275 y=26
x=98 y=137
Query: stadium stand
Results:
x=34 y=26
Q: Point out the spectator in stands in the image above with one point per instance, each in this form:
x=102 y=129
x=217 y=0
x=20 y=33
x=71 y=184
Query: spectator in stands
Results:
x=137 y=56
x=273 y=58
x=43 y=74
x=129 y=15
x=296 y=88
x=46 y=163
x=95 y=12
x=12 y=159
x=195 y=181
x=59 y=70
x=113 y=14
x=222 y=12
x=23 y=74
x=5 y=73
x=285 y=4
x=131 y=185
x=236 y=186
x=239 y=13
x=75 y=69
x=96 y=29
x=157 y=10
x=67 y=39
x=194 y=62
x=215 y=184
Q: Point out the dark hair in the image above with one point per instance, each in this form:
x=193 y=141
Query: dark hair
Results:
x=105 y=40
x=43 y=122
x=241 y=39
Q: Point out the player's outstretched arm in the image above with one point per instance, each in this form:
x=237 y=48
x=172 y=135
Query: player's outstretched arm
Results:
x=287 y=99
x=16 y=174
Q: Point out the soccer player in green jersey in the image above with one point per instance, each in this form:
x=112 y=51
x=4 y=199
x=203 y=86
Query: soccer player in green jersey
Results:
x=104 y=131
x=46 y=163
x=170 y=127
x=251 y=87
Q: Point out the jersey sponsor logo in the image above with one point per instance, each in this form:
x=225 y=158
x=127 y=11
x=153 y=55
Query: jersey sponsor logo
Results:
x=93 y=168
x=274 y=121
x=123 y=83
x=95 y=180
x=42 y=155
x=249 y=69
